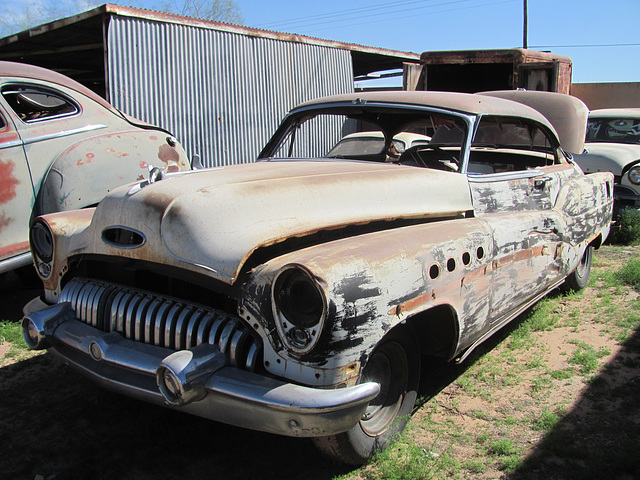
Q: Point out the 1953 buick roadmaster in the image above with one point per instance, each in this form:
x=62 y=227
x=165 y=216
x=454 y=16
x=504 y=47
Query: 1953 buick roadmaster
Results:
x=296 y=294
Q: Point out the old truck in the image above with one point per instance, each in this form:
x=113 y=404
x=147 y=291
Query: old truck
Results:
x=473 y=71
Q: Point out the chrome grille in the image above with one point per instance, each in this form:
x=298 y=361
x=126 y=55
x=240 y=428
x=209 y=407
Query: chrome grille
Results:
x=158 y=320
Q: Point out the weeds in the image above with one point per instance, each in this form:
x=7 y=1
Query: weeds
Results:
x=11 y=333
x=628 y=231
x=586 y=357
x=630 y=274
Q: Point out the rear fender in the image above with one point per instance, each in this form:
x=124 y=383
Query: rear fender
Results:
x=85 y=172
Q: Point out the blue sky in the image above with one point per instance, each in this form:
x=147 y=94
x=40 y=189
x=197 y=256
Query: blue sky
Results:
x=602 y=37
x=566 y=27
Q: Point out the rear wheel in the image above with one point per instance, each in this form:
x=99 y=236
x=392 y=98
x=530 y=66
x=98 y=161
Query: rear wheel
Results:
x=395 y=365
x=579 y=278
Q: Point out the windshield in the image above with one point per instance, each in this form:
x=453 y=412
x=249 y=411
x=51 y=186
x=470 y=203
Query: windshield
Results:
x=378 y=135
x=613 y=130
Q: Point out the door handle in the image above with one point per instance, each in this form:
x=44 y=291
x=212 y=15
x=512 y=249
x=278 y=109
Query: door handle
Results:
x=539 y=183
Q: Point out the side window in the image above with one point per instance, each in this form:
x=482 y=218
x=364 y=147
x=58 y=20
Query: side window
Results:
x=3 y=123
x=33 y=103
x=510 y=145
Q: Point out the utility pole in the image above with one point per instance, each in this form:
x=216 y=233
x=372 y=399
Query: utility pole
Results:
x=524 y=28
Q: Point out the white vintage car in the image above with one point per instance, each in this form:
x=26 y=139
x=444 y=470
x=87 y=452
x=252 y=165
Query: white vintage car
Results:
x=63 y=147
x=613 y=145
x=295 y=295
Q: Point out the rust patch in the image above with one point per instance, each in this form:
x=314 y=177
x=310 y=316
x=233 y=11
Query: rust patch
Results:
x=425 y=298
x=116 y=153
x=14 y=249
x=88 y=158
x=168 y=154
x=7 y=182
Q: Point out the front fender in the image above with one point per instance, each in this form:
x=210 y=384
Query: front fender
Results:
x=374 y=282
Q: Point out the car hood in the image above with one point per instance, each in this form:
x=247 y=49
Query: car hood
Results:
x=607 y=157
x=214 y=219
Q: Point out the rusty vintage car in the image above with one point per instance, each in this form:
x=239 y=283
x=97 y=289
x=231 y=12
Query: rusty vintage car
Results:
x=613 y=145
x=63 y=147
x=296 y=294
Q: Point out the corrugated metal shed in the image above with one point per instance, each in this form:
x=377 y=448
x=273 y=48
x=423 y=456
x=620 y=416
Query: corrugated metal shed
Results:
x=222 y=89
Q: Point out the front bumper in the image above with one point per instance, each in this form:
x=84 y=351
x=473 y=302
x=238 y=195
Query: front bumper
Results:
x=211 y=388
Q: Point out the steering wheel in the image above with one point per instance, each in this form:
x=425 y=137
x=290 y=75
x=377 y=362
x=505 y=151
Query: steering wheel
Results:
x=448 y=163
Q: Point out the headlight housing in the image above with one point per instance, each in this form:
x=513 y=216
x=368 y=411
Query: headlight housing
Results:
x=42 y=246
x=634 y=175
x=299 y=308
x=42 y=241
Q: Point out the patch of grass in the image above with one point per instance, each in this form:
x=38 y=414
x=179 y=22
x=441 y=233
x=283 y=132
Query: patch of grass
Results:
x=562 y=374
x=541 y=383
x=478 y=414
x=405 y=461
x=474 y=466
x=630 y=273
x=546 y=421
x=507 y=453
x=11 y=333
x=544 y=317
x=502 y=446
x=586 y=357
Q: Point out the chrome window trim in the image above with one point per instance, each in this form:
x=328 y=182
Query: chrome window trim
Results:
x=8 y=88
x=502 y=177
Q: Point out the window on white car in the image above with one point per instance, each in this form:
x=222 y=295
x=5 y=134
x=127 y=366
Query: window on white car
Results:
x=33 y=103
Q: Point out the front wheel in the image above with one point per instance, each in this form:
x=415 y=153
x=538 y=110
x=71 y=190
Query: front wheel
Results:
x=579 y=278
x=395 y=365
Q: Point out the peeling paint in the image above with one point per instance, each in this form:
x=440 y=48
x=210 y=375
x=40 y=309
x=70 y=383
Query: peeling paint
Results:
x=8 y=182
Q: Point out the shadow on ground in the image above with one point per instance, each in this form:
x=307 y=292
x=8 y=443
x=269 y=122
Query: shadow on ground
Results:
x=600 y=437
x=59 y=425
x=56 y=422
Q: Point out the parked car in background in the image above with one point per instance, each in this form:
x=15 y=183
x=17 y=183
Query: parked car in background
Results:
x=373 y=142
x=295 y=295
x=613 y=145
x=63 y=147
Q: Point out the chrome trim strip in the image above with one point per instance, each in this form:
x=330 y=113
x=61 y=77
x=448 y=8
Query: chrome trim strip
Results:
x=13 y=143
x=18 y=261
x=63 y=133
x=502 y=177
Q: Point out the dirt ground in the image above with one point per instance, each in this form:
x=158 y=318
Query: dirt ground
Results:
x=55 y=424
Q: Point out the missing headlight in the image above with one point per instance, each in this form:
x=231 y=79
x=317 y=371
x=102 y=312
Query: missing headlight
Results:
x=299 y=308
x=42 y=241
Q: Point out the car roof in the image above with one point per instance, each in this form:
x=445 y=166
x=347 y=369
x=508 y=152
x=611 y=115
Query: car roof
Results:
x=470 y=103
x=23 y=70
x=615 y=113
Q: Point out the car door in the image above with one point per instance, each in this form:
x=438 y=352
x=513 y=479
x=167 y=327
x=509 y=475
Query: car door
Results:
x=527 y=235
x=514 y=190
x=16 y=197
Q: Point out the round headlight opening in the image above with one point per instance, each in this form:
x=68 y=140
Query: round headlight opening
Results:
x=42 y=241
x=299 y=299
x=634 y=175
